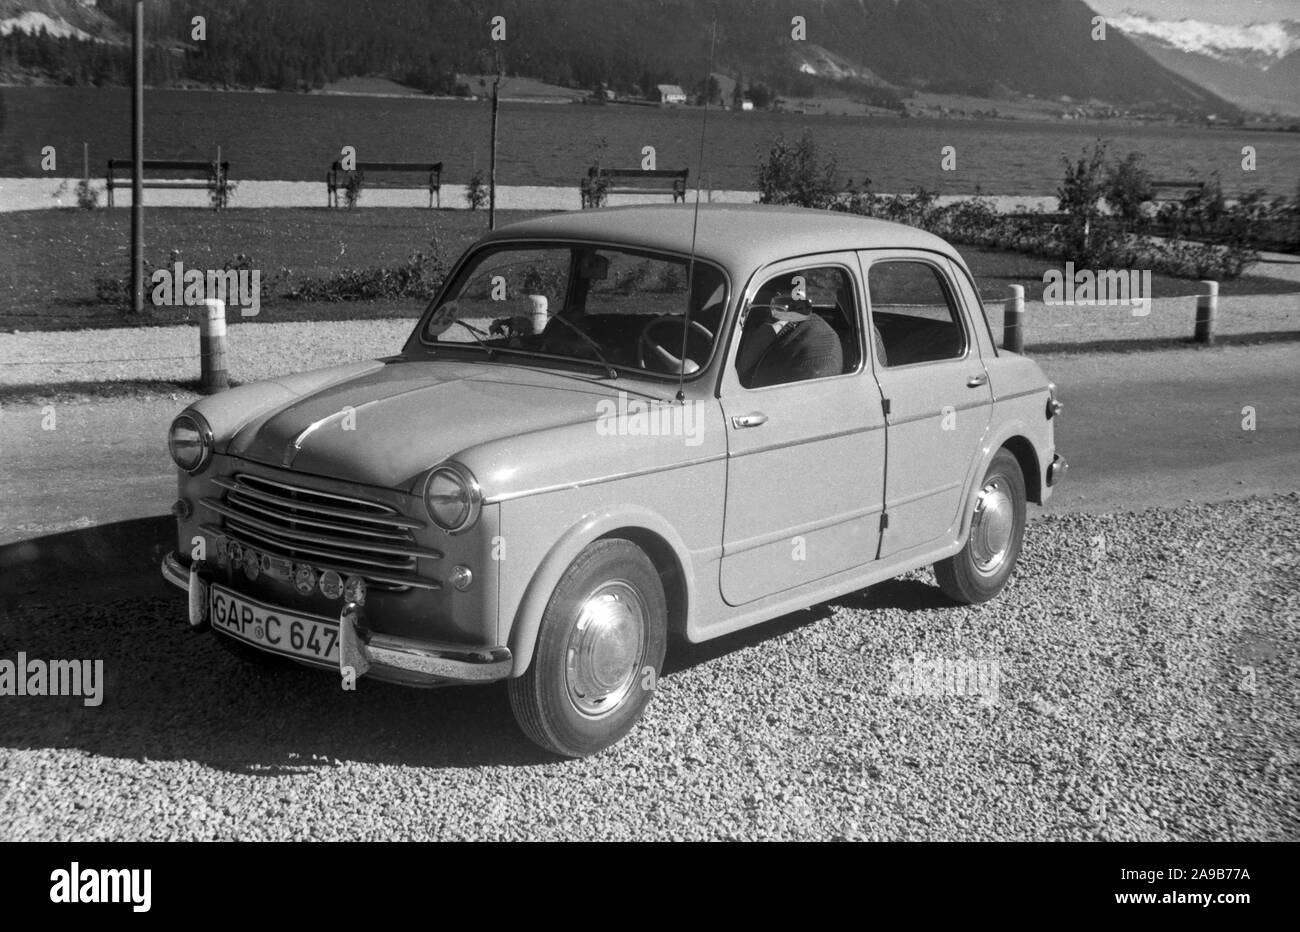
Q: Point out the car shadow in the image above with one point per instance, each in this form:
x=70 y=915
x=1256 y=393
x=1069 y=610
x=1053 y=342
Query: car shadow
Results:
x=169 y=693
x=909 y=595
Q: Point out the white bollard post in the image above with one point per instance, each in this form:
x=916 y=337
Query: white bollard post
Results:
x=1013 y=332
x=1207 y=309
x=212 y=348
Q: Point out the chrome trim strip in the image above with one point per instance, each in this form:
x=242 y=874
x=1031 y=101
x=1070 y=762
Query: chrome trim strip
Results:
x=735 y=548
x=228 y=512
x=800 y=441
x=295 y=446
x=935 y=415
x=630 y=474
x=1012 y=397
x=916 y=497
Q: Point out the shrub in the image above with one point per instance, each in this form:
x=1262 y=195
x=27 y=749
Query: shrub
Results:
x=87 y=195
x=1081 y=192
x=476 y=193
x=418 y=277
x=352 y=190
x=793 y=174
x=1128 y=187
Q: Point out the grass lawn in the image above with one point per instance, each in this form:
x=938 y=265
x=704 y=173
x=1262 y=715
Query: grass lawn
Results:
x=52 y=257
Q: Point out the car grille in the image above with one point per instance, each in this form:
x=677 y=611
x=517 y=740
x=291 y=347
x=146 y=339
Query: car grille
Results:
x=328 y=531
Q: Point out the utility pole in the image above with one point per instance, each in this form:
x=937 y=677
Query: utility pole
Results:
x=492 y=171
x=137 y=165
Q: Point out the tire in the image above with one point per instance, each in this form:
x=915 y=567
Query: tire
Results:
x=980 y=569
x=599 y=652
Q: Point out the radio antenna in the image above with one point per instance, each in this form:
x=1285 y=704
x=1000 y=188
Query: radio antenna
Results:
x=695 y=219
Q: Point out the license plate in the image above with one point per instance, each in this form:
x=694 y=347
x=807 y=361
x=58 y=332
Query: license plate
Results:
x=272 y=628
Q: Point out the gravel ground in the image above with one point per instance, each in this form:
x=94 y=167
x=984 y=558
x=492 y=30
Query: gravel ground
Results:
x=1147 y=689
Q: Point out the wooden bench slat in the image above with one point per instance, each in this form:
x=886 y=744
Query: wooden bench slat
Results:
x=646 y=173
x=165 y=164
x=391 y=167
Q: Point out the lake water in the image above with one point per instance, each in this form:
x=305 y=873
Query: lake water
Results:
x=294 y=137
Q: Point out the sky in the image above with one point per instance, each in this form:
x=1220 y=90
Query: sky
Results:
x=1211 y=11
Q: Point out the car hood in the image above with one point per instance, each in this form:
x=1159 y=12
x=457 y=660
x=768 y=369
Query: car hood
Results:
x=387 y=426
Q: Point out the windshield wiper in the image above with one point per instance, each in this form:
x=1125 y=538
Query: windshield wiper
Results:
x=610 y=371
x=478 y=336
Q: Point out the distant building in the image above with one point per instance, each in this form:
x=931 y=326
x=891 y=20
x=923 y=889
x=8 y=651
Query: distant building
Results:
x=671 y=94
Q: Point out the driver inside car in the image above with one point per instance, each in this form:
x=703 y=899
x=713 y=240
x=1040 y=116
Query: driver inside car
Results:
x=784 y=340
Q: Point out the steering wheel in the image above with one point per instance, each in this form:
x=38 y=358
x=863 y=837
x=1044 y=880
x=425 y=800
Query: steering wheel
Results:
x=657 y=351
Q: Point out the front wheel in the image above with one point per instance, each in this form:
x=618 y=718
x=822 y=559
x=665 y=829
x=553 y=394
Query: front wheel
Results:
x=599 y=652
x=979 y=570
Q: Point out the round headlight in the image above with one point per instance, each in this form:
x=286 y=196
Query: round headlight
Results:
x=452 y=498
x=190 y=441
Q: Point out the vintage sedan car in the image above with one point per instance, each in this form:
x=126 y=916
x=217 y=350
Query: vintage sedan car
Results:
x=609 y=428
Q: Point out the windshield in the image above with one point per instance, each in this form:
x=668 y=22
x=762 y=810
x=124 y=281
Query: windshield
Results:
x=617 y=308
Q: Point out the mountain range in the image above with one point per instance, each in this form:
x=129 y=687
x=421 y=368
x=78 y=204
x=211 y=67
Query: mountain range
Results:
x=1255 y=66
x=988 y=48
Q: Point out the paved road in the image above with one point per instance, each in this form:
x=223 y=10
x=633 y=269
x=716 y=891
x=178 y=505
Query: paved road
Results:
x=1159 y=428
x=91 y=495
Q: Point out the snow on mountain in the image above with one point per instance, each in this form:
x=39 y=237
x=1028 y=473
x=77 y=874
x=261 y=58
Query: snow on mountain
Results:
x=33 y=22
x=1256 y=44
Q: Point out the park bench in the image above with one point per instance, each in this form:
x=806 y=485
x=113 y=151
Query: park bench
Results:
x=337 y=178
x=620 y=181
x=216 y=180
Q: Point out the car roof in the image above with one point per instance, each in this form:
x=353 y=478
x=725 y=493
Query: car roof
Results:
x=737 y=236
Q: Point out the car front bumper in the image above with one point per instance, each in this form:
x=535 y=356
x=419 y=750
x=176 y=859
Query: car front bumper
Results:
x=385 y=657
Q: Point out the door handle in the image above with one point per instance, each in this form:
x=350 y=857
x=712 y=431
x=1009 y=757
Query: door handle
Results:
x=975 y=381
x=757 y=419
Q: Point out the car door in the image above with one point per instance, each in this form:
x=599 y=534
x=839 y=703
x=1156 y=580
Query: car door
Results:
x=936 y=394
x=806 y=454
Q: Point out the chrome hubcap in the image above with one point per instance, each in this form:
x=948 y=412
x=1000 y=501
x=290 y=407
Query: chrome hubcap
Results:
x=992 y=527
x=606 y=648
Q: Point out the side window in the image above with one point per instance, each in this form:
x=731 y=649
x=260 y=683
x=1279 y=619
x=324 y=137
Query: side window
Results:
x=913 y=314
x=801 y=325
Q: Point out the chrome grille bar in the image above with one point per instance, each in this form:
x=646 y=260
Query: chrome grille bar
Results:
x=243 y=485
x=392 y=580
x=328 y=530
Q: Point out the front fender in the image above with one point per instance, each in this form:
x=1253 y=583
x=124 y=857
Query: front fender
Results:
x=592 y=526
x=1005 y=431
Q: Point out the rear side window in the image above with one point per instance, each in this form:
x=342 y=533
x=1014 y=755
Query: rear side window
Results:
x=914 y=314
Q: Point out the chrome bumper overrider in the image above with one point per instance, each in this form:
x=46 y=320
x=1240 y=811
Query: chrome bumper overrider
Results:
x=361 y=651
x=1056 y=471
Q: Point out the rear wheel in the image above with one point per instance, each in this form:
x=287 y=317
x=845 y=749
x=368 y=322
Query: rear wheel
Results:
x=979 y=570
x=599 y=652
